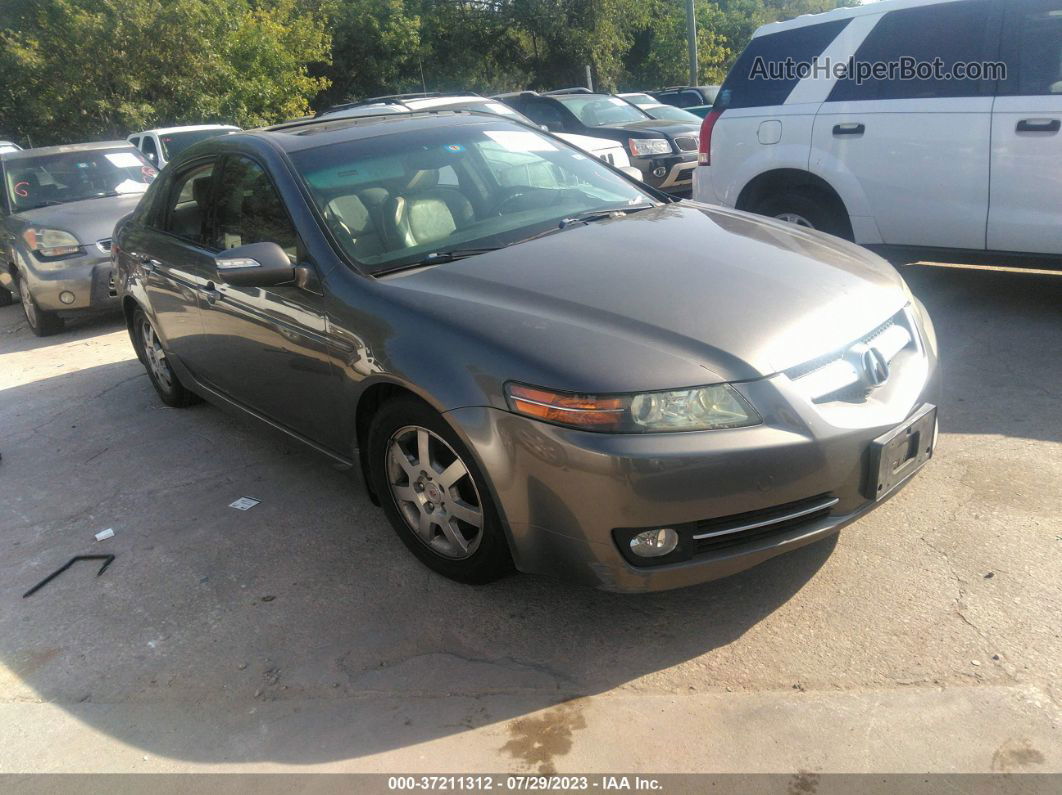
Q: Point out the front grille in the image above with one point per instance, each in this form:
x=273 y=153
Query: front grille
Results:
x=687 y=143
x=838 y=375
x=104 y=245
x=729 y=531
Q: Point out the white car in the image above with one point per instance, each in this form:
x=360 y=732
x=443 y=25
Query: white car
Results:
x=918 y=163
x=9 y=146
x=611 y=152
x=161 y=145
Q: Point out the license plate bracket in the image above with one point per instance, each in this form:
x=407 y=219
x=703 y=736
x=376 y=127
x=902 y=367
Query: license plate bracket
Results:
x=898 y=454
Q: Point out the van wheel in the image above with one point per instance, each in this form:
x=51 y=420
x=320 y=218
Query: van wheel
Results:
x=810 y=209
x=41 y=323
x=149 y=350
x=434 y=495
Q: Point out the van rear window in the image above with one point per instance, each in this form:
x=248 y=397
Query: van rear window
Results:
x=745 y=87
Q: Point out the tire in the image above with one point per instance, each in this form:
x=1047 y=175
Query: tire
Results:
x=440 y=513
x=812 y=209
x=41 y=323
x=149 y=350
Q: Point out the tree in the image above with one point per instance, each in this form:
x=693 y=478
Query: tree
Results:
x=73 y=70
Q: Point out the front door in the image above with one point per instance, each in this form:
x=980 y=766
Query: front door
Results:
x=265 y=347
x=1026 y=194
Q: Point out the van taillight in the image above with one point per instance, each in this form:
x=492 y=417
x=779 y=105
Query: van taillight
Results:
x=704 y=151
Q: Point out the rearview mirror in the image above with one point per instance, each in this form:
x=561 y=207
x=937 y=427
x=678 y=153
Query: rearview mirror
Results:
x=255 y=265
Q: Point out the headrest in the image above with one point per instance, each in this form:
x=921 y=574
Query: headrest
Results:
x=351 y=211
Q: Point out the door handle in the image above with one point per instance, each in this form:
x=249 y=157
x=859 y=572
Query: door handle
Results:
x=149 y=264
x=854 y=128
x=210 y=293
x=1038 y=126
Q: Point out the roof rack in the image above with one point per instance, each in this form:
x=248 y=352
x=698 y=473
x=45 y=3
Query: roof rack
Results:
x=395 y=99
x=572 y=90
x=525 y=93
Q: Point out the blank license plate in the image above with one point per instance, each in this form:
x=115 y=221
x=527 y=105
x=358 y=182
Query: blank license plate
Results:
x=901 y=452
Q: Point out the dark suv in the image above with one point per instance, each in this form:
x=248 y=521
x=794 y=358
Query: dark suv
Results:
x=664 y=151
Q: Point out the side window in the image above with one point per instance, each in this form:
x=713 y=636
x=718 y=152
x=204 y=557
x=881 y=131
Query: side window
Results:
x=147 y=146
x=135 y=141
x=688 y=99
x=952 y=32
x=545 y=113
x=249 y=209
x=747 y=86
x=1032 y=48
x=187 y=208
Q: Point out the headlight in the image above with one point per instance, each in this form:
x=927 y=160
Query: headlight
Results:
x=696 y=409
x=51 y=243
x=643 y=147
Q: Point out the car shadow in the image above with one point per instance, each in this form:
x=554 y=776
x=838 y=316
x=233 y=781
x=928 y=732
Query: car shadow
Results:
x=999 y=334
x=245 y=617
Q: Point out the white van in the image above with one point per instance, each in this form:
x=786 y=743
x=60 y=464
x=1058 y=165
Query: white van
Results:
x=917 y=162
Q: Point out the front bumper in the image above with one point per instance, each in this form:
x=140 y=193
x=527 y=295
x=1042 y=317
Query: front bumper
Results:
x=87 y=278
x=677 y=171
x=563 y=492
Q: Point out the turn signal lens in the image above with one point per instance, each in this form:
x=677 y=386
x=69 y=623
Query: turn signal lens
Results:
x=581 y=411
x=695 y=409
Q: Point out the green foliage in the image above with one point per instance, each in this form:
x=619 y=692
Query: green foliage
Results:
x=82 y=69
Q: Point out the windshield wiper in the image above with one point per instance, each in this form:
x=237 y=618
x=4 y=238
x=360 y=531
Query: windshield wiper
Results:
x=439 y=257
x=600 y=215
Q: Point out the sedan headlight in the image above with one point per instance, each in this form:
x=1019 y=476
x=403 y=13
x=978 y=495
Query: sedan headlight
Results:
x=644 y=147
x=696 y=409
x=50 y=244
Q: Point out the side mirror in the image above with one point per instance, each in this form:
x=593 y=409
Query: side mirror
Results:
x=255 y=265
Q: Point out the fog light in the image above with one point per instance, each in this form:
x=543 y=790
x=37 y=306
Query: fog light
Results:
x=659 y=171
x=66 y=297
x=654 y=543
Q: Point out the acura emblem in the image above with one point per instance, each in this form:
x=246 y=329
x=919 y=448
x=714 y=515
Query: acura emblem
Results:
x=875 y=368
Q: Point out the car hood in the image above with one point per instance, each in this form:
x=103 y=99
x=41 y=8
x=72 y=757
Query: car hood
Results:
x=675 y=296
x=88 y=220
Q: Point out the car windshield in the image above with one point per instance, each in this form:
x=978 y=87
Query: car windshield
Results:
x=671 y=113
x=173 y=143
x=598 y=111
x=393 y=200
x=74 y=176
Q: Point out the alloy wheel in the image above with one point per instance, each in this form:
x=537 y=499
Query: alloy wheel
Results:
x=156 y=357
x=435 y=492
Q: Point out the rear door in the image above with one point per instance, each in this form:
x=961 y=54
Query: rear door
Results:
x=266 y=347
x=1026 y=192
x=913 y=154
x=172 y=252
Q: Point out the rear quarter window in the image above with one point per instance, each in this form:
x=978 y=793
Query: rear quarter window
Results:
x=744 y=87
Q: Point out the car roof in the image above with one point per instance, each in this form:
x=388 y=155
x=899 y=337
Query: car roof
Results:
x=847 y=12
x=26 y=154
x=309 y=134
x=187 y=128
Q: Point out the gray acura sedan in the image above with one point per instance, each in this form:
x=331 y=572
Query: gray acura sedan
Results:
x=58 y=207
x=537 y=362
